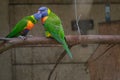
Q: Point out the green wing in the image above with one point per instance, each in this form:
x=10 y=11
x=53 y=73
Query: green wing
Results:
x=19 y=27
x=54 y=27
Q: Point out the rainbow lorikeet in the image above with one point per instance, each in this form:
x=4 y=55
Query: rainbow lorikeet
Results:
x=23 y=26
x=53 y=27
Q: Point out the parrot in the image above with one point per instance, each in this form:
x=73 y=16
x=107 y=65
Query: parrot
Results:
x=23 y=26
x=53 y=27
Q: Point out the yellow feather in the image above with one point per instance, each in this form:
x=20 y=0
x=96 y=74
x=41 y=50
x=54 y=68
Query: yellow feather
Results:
x=47 y=34
x=49 y=11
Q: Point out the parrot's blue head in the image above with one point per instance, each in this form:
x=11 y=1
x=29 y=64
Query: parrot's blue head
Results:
x=44 y=11
x=37 y=16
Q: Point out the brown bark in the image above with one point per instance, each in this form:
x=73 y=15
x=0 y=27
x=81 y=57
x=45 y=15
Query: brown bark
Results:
x=71 y=40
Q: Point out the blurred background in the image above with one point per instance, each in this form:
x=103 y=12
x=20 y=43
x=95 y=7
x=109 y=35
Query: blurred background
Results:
x=35 y=63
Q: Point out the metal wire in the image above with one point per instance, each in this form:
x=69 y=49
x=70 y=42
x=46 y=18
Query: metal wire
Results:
x=77 y=18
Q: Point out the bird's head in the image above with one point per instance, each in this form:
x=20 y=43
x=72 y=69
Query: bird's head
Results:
x=44 y=11
x=37 y=16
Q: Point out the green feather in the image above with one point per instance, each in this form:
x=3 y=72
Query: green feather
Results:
x=67 y=49
x=54 y=27
x=19 y=27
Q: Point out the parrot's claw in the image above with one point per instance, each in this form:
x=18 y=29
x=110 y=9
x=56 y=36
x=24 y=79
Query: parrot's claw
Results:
x=22 y=37
x=29 y=36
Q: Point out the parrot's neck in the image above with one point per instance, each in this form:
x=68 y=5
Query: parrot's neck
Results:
x=44 y=19
x=33 y=18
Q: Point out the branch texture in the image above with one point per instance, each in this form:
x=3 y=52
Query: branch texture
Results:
x=71 y=40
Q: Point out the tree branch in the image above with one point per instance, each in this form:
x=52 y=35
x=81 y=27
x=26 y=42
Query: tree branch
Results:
x=71 y=40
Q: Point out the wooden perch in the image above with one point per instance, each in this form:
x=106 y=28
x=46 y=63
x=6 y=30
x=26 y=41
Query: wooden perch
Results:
x=71 y=40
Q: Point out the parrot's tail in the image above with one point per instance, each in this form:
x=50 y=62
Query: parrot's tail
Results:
x=67 y=49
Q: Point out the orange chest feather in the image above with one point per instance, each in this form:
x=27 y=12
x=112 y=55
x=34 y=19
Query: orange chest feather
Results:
x=30 y=25
x=44 y=19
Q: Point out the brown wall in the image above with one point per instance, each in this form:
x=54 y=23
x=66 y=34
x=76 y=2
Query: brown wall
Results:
x=21 y=59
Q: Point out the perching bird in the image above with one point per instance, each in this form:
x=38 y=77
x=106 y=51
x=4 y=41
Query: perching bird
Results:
x=23 y=26
x=53 y=27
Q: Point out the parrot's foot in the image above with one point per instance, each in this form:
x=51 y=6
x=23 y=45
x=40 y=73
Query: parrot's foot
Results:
x=29 y=36
x=22 y=37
